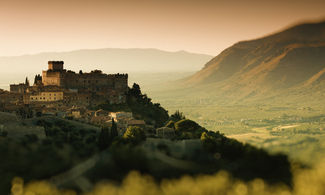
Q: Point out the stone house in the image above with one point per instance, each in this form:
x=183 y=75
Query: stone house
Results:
x=138 y=123
x=165 y=132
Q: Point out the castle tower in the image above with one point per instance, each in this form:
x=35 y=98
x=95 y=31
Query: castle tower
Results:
x=55 y=65
x=54 y=75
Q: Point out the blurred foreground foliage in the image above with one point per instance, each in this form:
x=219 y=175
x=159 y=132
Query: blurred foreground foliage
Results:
x=32 y=158
x=194 y=151
x=311 y=182
x=134 y=134
x=66 y=147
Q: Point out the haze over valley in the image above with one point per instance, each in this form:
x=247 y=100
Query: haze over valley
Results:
x=101 y=97
x=260 y=91
x=133 y=61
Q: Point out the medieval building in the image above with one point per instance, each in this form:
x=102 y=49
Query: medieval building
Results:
x=60 y=85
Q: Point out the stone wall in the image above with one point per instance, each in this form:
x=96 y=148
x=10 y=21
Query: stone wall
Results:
x=47 y=96
x=52 y=78
x=19 y=88
x=94 y=81
x=84 y=89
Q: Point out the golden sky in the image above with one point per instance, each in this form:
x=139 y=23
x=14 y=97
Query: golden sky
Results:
x=203 y=26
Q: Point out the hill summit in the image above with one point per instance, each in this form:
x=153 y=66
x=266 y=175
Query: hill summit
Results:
x=288 y=59
x=110 y=60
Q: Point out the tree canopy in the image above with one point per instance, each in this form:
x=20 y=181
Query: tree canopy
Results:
x=134 y=134
x=143 y=107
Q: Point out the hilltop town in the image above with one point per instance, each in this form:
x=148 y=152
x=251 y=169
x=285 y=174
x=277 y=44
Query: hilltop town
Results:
x=69 y=88
x=70 y=95
x=65 y=120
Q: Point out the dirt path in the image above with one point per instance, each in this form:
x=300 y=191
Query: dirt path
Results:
x=287 y=126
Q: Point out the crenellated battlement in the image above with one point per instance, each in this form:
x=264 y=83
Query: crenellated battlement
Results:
x=95 y=80
x=55 y=65
x=118 y=75
x=71 y=88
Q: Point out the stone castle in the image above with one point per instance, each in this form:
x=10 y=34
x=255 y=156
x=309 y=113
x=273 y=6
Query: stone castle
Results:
x=95 y=80
x=69 y=88
x=67 y=94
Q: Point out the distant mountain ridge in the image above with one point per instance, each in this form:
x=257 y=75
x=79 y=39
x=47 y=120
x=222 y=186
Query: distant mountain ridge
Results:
x=293 y=58
x=108 y=60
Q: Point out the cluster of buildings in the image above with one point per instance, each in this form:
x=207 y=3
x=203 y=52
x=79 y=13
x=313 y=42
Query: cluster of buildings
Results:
x=105 y=118
x=57 y=90
x=86 y=89
x=65 y=93
x=65 y=88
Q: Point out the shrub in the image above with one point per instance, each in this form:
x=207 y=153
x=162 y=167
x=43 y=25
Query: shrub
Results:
x=3 y=133
x=134 y=134
x=187 y=125
x=141 y=105
x=177 y=116
x=188 y=129
x=170 y=124
x=211 y=141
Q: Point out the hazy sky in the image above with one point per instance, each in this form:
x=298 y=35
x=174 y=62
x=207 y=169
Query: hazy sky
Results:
x=204 y=26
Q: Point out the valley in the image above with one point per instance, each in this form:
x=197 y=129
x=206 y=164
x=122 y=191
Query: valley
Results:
x=296 y=128
x=268 y=92
x=162 y=97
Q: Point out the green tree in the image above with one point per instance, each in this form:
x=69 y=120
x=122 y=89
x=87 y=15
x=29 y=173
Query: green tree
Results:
x=27 y=81
x=2 y=106
x=134 y=134
x=210 y=143
x=114 y=132
x=143 y=107
x=187 y=125
x=3 y=133
x=38 y=114
x=37 y=78
x=177 y=116
x=135 y=90
x=170 y=124
x=188 y=129
x=25 y=112
x=104 y=138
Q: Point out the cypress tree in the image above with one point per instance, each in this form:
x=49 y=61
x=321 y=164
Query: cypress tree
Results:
x=103 y=139
x=26 y=81
x=114 y=132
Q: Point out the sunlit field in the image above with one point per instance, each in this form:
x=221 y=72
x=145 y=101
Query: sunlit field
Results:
x=291 y=127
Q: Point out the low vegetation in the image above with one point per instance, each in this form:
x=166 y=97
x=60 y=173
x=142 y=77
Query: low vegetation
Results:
x=141 y=106
x=134 y=135
x=305 y=181
x=68 y=146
